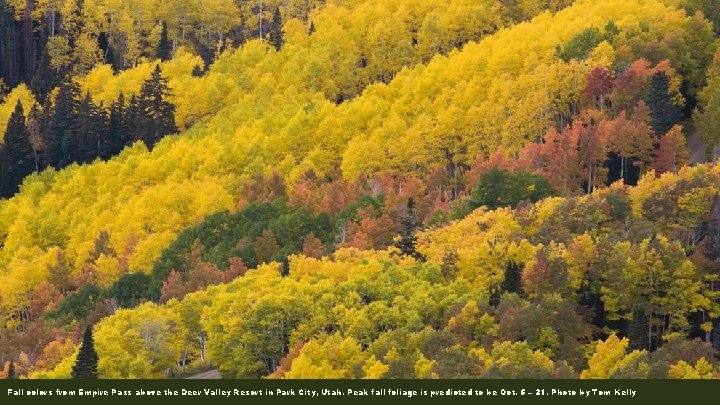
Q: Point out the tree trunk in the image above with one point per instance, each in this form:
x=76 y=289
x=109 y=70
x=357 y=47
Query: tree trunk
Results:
x=28 y=54
x=261 y=19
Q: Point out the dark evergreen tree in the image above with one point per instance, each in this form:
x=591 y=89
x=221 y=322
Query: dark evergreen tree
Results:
x=409 y=224
x=311 y=30
x=164 y=51
x=118 y=130
x=70 y=146
x=45 y=78
x=11 y=371
x=17 y=154
x=512 y=282
x=101 y=126
x=60 y=123
x=99 y=130
x=275 y=36
x=87 y=359
x=638 y=330
x=157 y=115
x=81 y=142
x=664 y=114
x=134 y=120
x=9 y=45
x=197 y=71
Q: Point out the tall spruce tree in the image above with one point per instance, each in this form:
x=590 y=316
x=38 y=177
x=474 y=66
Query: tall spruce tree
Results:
x=45 y=78
x=164 y=51
x=82 y=147
x=156 y=114
x=87 y=359
x=409 y=223
x=664 y=114
x=11 y=371
x=17 y=153
x=118 y=130
x=95 y=131
x=512 y=283
x=638 y=327
x=275 y=37
x=134 y=118
x=60 y=123
x=9 y=45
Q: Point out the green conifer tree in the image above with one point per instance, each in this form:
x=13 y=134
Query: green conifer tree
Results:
x=664 y=114
x=275 y=37
x=164 y=51
x=60 y=124
x=17 y=153
x=87 y=359
x=156 y=115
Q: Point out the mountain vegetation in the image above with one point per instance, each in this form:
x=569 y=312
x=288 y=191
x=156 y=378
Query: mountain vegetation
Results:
x=360 y=188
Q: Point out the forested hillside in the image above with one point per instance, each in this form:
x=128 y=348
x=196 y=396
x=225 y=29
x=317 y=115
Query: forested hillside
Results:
x=364 y=188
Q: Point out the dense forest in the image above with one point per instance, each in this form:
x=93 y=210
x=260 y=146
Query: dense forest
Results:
x=360 y=188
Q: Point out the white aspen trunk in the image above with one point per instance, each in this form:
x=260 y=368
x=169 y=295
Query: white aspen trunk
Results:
x=261 y=18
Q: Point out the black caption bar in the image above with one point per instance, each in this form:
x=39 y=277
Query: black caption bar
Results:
x=352 y=391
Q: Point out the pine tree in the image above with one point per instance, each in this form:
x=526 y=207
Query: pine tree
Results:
x=164 y=51
x=60 y=123
x=98 y=132
x=118 y=130
x=17 y=154
x=9 y=55
x=82 y=143
x=45 y=78
x=157 y=115
x=664 y=113
x=11 y=371
x=87 y=359
x=275 y=37
x=409 y=224
x=311 y=30
x=638 y=330
x=135 y=120
x=512 y=282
